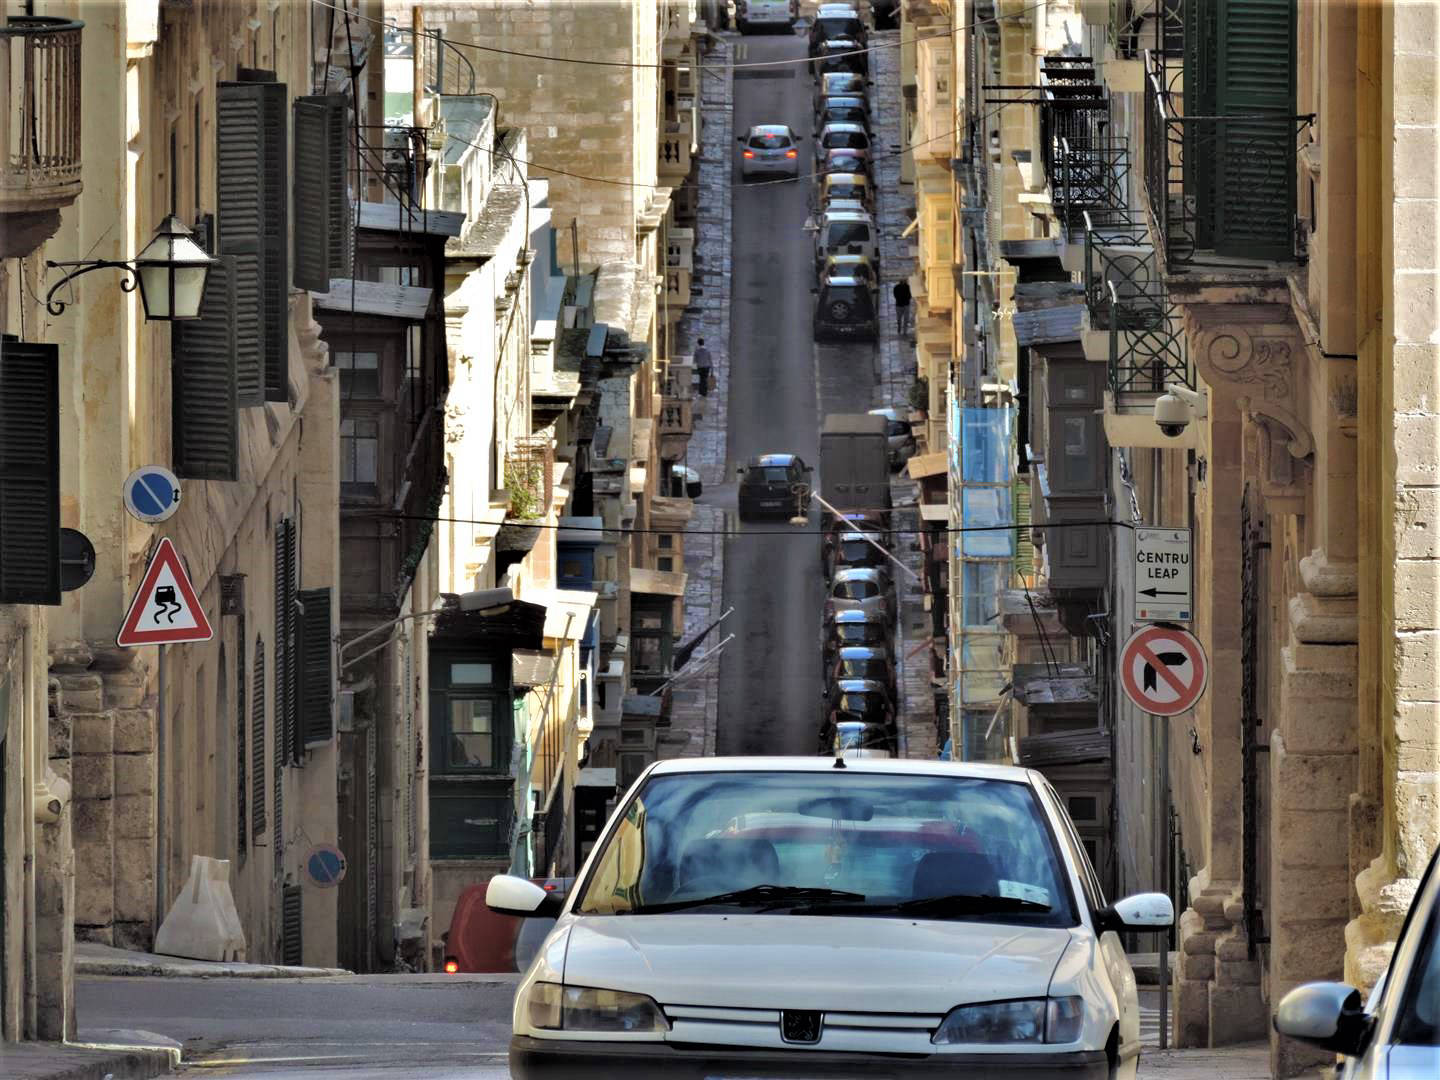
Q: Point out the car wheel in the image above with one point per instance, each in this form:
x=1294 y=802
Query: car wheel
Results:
x=839 y=311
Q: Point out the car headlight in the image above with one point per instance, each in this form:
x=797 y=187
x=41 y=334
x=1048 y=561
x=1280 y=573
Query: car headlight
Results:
x=1032 y=1020
x=554 y=1007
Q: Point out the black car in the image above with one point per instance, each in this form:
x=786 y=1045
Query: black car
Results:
x=864 y=662
x=841 y=54
x=885 y=14
x=842 y=109
x=855 y=738
x=767 y=486
x=860 y=700
x=844 y=550
x=844 y=309
x=856 y=627
x=836 y=21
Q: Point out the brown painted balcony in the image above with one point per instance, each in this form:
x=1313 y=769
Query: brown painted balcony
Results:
x=40 y=128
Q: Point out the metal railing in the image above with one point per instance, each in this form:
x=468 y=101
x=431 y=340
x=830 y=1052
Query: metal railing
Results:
x=1073 y=107
x=1143 y=361
x=40 y=122
x=1156 y=25
x=1093 y=176
x=1222 y=189
x=1124 y=289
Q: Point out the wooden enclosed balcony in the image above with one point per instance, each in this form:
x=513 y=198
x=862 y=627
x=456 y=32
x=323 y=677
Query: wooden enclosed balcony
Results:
x=40 y=128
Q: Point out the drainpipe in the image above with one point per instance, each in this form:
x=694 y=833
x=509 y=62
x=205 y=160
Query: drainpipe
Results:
x=162 y=862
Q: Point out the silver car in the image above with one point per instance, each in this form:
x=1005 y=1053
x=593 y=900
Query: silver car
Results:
x=769 y=150
x=849 y=137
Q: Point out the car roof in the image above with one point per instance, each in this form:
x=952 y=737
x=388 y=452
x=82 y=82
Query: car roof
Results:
x=840 y=44
x=848 y=178
x=849 y=536
x=770 y=129
x=859 y=652
x=848 y=215
x=826 y=763
x=858 y=573
x=844 y=101
x=774 y=459
x=843 y=125
x=844 y=280
x=887 y=412
x=860 y=686
x=837 y=9
x=850 y=615
x=831 y=76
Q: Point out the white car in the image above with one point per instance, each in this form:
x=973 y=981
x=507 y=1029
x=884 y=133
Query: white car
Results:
x=799 y=917
x=1395 y=1034
x=770 y=14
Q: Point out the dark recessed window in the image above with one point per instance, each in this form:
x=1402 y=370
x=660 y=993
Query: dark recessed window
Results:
x=359 y=453
x=359 y=374
x=472 y=734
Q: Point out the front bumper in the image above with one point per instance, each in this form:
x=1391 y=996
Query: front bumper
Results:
x=545 y=1059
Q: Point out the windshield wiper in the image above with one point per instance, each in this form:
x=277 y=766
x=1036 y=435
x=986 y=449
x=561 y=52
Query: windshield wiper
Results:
x=955 y=904
x=768 y=897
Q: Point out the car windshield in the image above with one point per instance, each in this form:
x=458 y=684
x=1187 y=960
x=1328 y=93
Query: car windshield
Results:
x=864 y=633
x=860 y=703
x=1419 y=1020
x=841 y=233
x=848 y=114
x=848 y=294
x=857 y=736
x=862 y=669
x=846 y=191
x=784 y=842
x=850 y=140
x=842 y=82
x=833 y=26
x=856 y=551
x=769 y=140
x=855 y=590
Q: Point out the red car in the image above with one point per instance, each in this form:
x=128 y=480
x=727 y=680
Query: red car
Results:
x=481 y=940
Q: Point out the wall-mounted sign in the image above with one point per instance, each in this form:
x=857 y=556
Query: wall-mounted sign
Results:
x=1163 y=669
x=1163 y=590
x=77 y=559
x=152 y=493
x=165 y=609
x=325 y=866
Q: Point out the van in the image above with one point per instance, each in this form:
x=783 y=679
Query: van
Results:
x=765 y=14
x=845 y=232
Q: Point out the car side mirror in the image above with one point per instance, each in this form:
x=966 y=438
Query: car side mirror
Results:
x=510 y=895
x=1142 y=912
x=1326 y=1014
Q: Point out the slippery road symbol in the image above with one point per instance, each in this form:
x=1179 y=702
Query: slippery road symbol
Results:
x=165 y=597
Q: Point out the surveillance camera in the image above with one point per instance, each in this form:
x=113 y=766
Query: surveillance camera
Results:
x=1172 y=415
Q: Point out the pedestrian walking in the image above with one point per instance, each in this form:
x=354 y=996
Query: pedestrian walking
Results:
x=902 y=305
x=702 y=366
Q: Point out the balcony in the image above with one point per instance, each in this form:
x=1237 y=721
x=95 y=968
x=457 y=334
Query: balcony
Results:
x=1134 y=27
x=679 y=269
x=40 y=127
x=1073 y=108
x=1094 y=177
x=677 y=417
x=1123 y=286
x=1221 y=188
x=676 y=145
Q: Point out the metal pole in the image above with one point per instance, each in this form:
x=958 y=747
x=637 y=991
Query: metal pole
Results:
x=1166 y=874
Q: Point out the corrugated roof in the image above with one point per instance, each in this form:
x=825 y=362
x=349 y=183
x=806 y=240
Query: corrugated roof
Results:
x=1048 y=325
x=392 y=217
x=375 y=298
x=1044 y=247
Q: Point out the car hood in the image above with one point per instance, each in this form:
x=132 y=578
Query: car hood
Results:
x=810 y=962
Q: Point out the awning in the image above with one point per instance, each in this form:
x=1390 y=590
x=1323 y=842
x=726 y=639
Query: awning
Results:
x=375 y=298
x=935 y=511
x=657 y=582
x=392 y=217
x=531 y=667
x=1047 y=325
x=922 y=465
x=520 y=626
x=596 y=777
x=560 y=605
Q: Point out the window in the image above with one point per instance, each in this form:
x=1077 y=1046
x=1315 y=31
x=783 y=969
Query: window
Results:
x=665 y=563
x=472 y=743
x=359 y=374
x=472 y=674
x=769 y=140
x=359 y=453
x=29 y=473
x=650 y=637
x=667 y=541
x=847 y=232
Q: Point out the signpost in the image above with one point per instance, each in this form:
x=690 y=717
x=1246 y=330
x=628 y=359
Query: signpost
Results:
x=152 y=493
x=325 y=866
x=1163 y=669
x=164 y=610
x=1162 y=575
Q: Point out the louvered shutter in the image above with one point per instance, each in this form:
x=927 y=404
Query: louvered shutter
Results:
x=257 y=743
x=317 y=717
x=204 y=416
x=242 y=748
x=292 y=920
x=324 y=229
x=29 y=473
x=253 y=224
x=1255 y=158
x=287 y=743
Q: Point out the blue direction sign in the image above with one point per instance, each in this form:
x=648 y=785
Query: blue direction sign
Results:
x=325 y=866
x=152 y=493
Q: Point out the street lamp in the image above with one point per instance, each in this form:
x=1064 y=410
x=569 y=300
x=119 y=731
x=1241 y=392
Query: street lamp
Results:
x=171 y=272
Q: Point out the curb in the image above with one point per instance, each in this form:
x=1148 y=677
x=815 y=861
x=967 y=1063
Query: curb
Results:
x=140 y=965
x=84 y=1061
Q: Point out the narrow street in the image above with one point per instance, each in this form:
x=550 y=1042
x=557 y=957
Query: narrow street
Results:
x=781 y=386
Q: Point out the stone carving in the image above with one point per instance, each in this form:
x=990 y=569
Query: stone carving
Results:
x=1235 y=355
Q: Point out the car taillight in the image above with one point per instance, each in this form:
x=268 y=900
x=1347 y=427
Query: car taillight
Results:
x=451 y=967
x=790 y=153
x=749 y=153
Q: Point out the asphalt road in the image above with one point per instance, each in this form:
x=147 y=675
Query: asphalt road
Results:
x=781 y=385
x=372 y=1026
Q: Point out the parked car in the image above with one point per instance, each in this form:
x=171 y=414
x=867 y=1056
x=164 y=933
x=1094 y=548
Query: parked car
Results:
x=833 y=21
x=865 y=662
x=869 y=589
x=943 y=917
x=841 y=54
x=843 y=232
x=769 y=150
x=899 y=434
x=481 y=940
x=838 y=185
x=842 y=109
x=1394 y=1034
x=838 y=84
x=855 y=266
x=855 y=739
x=842 y=628
x=765 y=14
x=767 y=486
x=851 y=137
x=845 y=307
x=885 y=14
x=848 y=549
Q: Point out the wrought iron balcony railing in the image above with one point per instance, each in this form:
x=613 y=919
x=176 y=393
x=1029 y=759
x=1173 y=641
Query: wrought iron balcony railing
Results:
x=1124 y=289
x=1074 y=108
x=1143 y=360
x=1094 y=176
x=1154 y=25
x=1221 y=188
x=40 y=121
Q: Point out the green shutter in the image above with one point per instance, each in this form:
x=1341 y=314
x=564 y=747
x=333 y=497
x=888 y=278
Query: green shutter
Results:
x=1024 y=549
x=287 y=745
x=323 y=224
x=252 y=165
x=204 y=421
x=29 y=473
x=257 y=743
x=317 y=716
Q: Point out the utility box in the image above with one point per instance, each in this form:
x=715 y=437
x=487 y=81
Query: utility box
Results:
x=855 y=464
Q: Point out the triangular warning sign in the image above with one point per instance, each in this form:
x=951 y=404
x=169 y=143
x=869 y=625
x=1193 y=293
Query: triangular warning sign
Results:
x=165 y=610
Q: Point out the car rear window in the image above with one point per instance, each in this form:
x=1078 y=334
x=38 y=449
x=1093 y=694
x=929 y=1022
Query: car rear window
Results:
x=848 y=140
x=896 y=427
x=855 y=590
x=854 y=551
x=769 y=140
x=837 y=25
x=847 y=232
x=862 y=669
x=859 y=633
x=774 y=474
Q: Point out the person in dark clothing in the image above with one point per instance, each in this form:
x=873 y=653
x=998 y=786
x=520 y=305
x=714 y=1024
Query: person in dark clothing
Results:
x=702 y=366
x=902 y=305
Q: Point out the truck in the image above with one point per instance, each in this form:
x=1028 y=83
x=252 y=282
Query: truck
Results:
x=855 y=467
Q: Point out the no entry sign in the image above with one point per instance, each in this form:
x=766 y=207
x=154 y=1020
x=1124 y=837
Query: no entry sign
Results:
x=1163 y=669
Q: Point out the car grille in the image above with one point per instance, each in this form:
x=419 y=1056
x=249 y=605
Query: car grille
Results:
x=858 y=1032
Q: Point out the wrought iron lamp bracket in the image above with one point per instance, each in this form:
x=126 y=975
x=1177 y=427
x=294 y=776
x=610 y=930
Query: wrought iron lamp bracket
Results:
x=56 y=307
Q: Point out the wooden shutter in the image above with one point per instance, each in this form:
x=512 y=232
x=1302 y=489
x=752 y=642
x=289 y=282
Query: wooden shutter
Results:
x=287 y=743
x=251 y=161
x=204 y=416
x=324 y=229
x=1255 y=158
x=292 y=952
x=29 y=473
x=317 y=715
x=242 y=748
x=257 y=742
